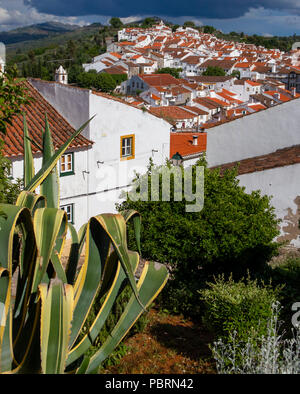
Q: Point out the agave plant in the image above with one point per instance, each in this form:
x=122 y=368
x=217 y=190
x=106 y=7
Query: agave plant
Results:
x=42 y=318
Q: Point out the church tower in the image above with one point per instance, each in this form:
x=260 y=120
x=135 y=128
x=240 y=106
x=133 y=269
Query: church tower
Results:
x=61 y=75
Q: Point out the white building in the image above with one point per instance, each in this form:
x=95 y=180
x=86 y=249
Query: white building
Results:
x=123 y=137
x=266 y=145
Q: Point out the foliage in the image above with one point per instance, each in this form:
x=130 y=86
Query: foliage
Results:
x=115 y=22
x=92 y=80
x=148 y=22
x=214 y=71
x=286 y=274
x=12 y=96
x=208 y=29
x=232 y=233
x=270 y=354
x=189 y=24
x=9 y=190
x=170 y=70
x=244 y=306
x=236 y=73
x=42 y=319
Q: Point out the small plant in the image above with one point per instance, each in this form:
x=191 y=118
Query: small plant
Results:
x=243 y=307
x=270 y=355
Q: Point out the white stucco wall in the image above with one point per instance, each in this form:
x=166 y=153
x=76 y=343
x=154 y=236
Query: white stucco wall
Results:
x=71 y=102
x=254 y=135
x=98 y=189
x=283 y=184
x=113 y=120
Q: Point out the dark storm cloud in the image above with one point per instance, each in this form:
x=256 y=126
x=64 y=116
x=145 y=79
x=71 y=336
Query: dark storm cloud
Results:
x=198 y=8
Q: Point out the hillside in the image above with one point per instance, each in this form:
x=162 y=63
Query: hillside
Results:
x=35 y=32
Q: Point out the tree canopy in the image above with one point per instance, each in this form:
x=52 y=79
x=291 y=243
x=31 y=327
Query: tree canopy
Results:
x=214 y=71
x=12 y=96
x=116 y=22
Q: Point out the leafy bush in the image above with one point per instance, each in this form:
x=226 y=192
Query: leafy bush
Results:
x=233 y=232
x=271 y=354
x=244 y=307
x=287 y=275
x=92 y=80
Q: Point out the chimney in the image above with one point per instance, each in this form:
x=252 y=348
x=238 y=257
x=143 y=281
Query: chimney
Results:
x=274 y=68
x=293 y=91
x=195 y=140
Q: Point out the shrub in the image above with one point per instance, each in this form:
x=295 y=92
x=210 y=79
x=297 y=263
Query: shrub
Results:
x=271 y=354
x=287 y=275
x=244 y=307
x=232 y=233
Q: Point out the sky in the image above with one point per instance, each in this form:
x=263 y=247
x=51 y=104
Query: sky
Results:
x=265 y=17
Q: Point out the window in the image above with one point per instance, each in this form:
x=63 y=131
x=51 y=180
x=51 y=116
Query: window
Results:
x=127 y=147
x=69 y=209
x=67 y=164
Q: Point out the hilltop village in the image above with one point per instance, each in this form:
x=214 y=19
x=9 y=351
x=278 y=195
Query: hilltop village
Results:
x=172 y=105
x=254 y=78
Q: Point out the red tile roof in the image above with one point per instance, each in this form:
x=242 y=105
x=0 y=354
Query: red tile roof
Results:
x=159 y=79
x=279 y=158
x=172 y=113
x=183 y=143
x=35 y=117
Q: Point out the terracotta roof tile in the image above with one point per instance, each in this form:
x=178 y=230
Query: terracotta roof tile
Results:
x=183 y=143
x=279 y=158
x=35 y=117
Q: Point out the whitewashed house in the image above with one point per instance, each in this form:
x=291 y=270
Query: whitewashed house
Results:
x=123 y=138
x=266 y=146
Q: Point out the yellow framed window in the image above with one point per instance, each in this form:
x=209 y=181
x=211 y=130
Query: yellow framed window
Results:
x=127 y=147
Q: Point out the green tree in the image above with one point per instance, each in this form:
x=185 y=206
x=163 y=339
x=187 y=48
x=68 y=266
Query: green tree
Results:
x=232 y=233
x=103 y=81
x=12 y=96
x=236 y=73
x=148 y=22
x=116 y=22
x=208 y=29
x=74 y=71
x=170 y=70
x=189 y=24
x=211 y=71
x=9 y=189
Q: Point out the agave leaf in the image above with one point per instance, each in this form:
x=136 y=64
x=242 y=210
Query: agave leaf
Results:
x=15 y=217
x=73 y=255
x=50 y=186
x=89 y=277
x=115 y=227
x=113 y=279
x=28 y=163
x=31 y=201
x=150 y=284
x=56 y=316
x=50 y=225
x=51 y=163
x=136 y=218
